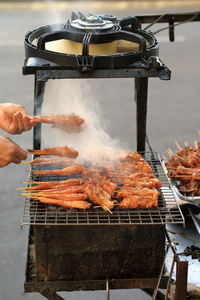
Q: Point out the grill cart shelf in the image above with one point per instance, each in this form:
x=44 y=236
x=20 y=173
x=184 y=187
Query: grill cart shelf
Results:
x=68 y=250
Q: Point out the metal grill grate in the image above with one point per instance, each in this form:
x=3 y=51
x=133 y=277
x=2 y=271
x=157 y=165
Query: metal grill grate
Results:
x=167 y=212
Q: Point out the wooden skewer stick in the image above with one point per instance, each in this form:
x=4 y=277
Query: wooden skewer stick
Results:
x=31 y=189
x=170 y=152
x=178 y=146
x=172 y=168
x=186 y=175
x=186 y=144
x=198 y=131
x=28 y=194
x=181 y=158
x=29 y=182
x=196 y=144
x=26 y=162
x=164 y=157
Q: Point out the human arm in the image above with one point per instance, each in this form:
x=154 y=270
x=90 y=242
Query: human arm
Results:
x=10 y=152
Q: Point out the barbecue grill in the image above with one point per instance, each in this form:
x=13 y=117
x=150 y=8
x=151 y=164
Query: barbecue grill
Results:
x=72 y=250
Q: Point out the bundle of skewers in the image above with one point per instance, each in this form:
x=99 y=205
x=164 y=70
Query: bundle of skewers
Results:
x=127 y=182
x=183 y=167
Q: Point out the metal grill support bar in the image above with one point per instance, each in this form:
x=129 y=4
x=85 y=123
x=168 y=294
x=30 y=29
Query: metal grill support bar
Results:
x=141 y=91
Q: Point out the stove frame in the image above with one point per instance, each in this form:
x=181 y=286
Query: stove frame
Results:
x=141 y=71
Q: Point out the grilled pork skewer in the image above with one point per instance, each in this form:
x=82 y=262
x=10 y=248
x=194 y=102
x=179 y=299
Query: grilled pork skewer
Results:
x=52 y=184
x=58 y=151
x=187 y=171
x=72 y=170
x=69 y=123
x=98 y=196
x=126 y=191
x=72 y=119
x=68 y=204
x=58 y=190
x=64 y=197
x=59 y=160
x=137 y=202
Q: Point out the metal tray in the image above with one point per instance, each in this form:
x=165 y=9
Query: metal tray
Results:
x=174 y=185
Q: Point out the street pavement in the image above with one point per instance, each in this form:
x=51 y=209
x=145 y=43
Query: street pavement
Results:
x=173 y=113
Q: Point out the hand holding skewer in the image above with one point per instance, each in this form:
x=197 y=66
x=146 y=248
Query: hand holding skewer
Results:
x=10 y=152
x=14 y=119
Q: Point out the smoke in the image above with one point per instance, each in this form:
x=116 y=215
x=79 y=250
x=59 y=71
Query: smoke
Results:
x=52 y=14
x=67 y=96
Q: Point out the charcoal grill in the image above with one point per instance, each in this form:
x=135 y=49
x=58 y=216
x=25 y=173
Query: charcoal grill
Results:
x=95 y=250
x=36 y=213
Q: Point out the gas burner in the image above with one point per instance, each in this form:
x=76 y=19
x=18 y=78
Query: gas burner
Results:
x=91 y=22
x=91 y=42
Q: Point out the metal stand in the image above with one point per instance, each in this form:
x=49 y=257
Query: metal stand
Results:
x=141 y=76
x=38 y=99
x=51 y=295
x=141 y=91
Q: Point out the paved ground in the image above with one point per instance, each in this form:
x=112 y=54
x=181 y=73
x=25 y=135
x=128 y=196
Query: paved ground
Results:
x=173 y=113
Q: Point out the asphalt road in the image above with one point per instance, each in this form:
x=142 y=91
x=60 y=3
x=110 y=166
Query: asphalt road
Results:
x=173 y=113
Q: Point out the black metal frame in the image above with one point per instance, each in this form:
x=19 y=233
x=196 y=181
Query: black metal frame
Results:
x=141 y=75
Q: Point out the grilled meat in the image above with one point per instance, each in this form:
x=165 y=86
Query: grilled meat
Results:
x=138 y=202
x=58 y=151
x=45 y=161
x=129 y=181
x=72 y=119
x=184 y=166
x=71 y=170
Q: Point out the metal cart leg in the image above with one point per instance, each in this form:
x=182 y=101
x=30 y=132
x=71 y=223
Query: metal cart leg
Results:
x=141 y=90
x=51 y=295
x=107 y=290
x=181 y=280
x=38 y=99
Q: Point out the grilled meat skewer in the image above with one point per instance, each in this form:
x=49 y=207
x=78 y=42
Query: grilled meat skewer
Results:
x=72 y=170
x=69 y=123
x=58 y=160
x=72 y=119
x=59 y=151
x=138 y=202
x=68 y=204
x=64 y=197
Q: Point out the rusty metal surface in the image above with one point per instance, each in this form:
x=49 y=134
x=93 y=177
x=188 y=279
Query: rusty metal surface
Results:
x=181 y=280
x=92 y=285
x=98 y=252
x=33 y=284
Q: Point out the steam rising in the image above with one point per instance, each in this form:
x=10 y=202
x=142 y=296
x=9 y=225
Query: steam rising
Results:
x=67 y=96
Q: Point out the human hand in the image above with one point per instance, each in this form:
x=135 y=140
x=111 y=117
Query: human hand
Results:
x=10 y=152
x=14 y=119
